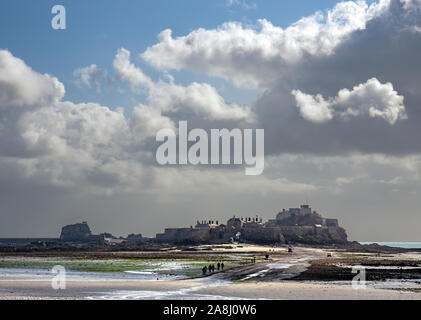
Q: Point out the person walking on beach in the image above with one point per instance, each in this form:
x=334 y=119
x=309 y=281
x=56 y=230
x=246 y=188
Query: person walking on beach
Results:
x=218 y=266
x=222 y=266
x=204 y=270
x=210 y=268
x=254 y=259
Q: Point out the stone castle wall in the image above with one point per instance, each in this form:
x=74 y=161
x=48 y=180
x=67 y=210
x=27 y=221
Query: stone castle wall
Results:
x=262 y=234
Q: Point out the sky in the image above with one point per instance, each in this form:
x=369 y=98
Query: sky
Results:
x=335 y=86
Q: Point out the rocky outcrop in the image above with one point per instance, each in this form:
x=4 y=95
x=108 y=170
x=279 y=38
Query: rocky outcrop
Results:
x=79 y=232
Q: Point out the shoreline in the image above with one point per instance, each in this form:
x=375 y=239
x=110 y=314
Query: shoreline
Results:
x=149 y=290
x=306 y=274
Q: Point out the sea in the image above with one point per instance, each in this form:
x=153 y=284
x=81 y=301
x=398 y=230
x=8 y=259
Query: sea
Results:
x=405 y=245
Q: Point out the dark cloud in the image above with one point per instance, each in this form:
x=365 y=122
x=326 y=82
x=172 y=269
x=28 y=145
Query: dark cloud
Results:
x=388 y=50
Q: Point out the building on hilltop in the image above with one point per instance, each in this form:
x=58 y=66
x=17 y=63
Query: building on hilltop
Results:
x=296 y=225
x=306 y=226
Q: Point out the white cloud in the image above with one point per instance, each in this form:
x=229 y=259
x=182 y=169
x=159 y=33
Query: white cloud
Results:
x=128 y=72
x=68 y=144
x=372 y=99
x=146 y=122
x=200 y=98
x=57 y=142
x=90 y=76
x=20 y=86
x=242 y=3
x=256 y=58
x=313 y=108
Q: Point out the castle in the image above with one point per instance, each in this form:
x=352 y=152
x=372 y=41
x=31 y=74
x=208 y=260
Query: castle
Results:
x=296 y=225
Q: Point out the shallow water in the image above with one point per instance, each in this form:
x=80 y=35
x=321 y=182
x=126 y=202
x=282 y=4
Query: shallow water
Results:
x=30 y=274
x=190 y=293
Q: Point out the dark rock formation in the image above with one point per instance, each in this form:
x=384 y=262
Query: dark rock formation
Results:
x=79 y=232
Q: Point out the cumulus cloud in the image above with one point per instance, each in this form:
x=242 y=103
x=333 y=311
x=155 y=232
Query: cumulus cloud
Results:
x=200 y=98
x=257 y=56
x=90 y=76
x=20 y=86
x=68 y=144
x=386 y=50
x=372 y=99
x=128 y=72
x=56 y=142
x=146 y=121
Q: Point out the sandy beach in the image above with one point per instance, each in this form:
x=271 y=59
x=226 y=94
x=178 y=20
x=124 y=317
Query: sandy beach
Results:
x=30 y=290
x=284 y=276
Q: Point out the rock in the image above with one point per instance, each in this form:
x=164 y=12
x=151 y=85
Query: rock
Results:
x=73 y=232
x=80 y=232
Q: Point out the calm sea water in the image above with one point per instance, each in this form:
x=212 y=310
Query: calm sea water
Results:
x=406 y=245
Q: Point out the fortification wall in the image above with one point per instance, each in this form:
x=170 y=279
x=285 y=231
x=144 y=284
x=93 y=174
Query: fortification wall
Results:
x=316 y=235
x=263 y=234
x=181 y=235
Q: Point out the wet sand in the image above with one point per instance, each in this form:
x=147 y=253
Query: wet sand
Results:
x=310 y=263
x=305 y=291
x=23 y=289
x=34 y=290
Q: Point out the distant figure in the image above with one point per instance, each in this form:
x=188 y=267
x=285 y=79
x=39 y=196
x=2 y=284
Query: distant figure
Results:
x=254 y=259
x=218 y=266
x=222 y=266
x=267 y=256
x=210 y=268
x=290 y=250
x=204 y=270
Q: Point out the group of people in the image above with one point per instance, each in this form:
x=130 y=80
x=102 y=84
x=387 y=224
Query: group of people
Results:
x=211 y=267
